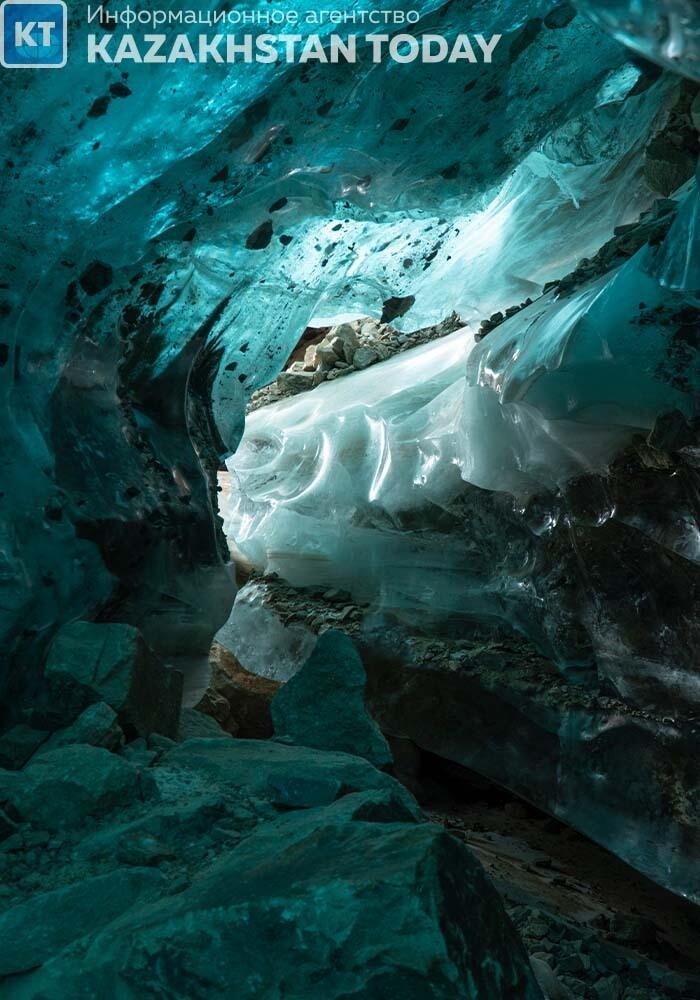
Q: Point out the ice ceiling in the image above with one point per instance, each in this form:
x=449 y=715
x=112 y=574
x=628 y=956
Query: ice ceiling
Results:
x=171 y=230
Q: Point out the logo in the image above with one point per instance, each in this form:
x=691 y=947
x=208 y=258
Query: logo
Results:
x=33 y=35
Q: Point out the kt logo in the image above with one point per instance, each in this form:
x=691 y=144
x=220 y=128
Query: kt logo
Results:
x=33 y=35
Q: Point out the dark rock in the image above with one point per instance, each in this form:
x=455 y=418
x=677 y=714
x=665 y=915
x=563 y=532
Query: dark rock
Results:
x=194 y=723
x=64 y=787
x=260 y=237
x=323 y=705
x=176 y=828
x=396 y=306
x=296 y=381
x=560 y=16
x=113 y=664
x=284 y=775
x=97 y=725
x=7 y=826
x=551 y=986
x=608 y=988
x=416 y=919
x=671 y=432
x=96 y=277
x=18 y=744
x=666 y=167
x=364 y=357
x=45 y=924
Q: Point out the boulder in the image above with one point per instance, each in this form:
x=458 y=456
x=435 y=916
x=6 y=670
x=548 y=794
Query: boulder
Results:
x=314 y=904
x=174 y=829
x=194 y=723
x=364 y=357
x=296 y=381
x=346 y=333
x=18 y=744
x=326 y=353
x=67 y=786
x=110 y=662
x=323 y=705
x=97 y=725
x=284 y=776
x=45 y=924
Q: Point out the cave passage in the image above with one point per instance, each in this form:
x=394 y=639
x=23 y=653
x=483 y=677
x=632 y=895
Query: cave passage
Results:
x=350 y=510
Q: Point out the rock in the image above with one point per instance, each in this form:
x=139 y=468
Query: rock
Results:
x=326 y=354
x=290 y=381
x=238 y=699
x=160 y=743
x=7 y=826
x=112 y=663
x=695 y=112
x=45 y=924
x=667 y=167
x=138 y=753
x=285 y=776
x=96 y=277
x=609 y=988
x=671 y=432
x=18 y=744
x=195 y=723
x=355 y=908
x=323 y=705
x=176 y=828
x=396 y=306
x=97 y=725
x=65 y=787
x=364 y=357
x=552 y=988
x=346 y=333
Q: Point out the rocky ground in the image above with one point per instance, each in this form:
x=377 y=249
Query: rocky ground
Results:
x=146 y=852
x=151 y=846
x=593 y=926
x=326 y=354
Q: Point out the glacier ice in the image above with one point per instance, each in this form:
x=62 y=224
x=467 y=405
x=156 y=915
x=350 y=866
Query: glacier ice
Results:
x=326 y=482
x=138 y=314
x=667 y=31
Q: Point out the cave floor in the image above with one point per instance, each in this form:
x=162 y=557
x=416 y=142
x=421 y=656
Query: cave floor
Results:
x=602 y=928
x=596 y=926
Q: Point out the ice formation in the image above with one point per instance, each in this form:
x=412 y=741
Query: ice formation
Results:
x=323 y=481
x=539 y=482
x=284 y=193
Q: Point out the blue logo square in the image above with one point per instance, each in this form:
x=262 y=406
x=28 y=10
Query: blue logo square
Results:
x=33 y=35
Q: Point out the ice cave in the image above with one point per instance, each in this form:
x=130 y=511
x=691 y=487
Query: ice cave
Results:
x=350 y=507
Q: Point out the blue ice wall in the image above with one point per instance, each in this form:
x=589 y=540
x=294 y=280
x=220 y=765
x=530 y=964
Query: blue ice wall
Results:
x=137 y=312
